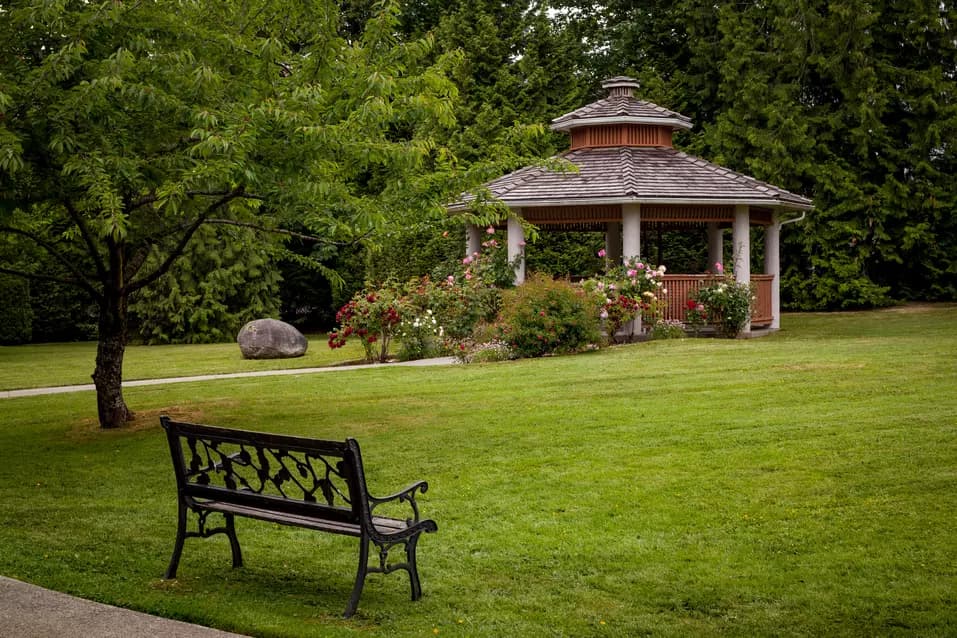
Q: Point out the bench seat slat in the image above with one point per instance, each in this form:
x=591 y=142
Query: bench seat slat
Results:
x=384 y=525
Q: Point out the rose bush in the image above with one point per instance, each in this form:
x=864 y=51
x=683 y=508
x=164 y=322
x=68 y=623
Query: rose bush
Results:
x=371 y=317
x=626 y=292
x=722 y=302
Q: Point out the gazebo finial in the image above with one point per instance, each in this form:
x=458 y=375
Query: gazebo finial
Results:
x=621 y=86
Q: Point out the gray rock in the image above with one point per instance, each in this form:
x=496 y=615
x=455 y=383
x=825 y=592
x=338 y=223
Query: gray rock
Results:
x=271 y=339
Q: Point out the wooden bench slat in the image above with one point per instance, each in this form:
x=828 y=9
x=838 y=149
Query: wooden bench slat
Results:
x=386 y=525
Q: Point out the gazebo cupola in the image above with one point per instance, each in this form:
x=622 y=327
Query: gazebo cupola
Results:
x=621 y=120
x=629 y=177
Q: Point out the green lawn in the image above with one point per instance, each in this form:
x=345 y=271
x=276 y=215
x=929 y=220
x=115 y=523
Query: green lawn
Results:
x=802 y=484
x=53 y=364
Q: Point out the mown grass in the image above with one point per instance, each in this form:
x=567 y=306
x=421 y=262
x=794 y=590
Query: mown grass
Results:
x=57 y=364
x=803 y=484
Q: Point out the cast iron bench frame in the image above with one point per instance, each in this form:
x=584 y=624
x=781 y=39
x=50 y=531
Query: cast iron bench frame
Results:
x=291 y=481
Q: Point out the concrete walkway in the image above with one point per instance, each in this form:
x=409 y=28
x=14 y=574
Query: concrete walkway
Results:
x=28 y=611
x=89 y=387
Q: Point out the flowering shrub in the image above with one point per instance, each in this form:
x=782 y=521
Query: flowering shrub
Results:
x=420 y=336
x=544 y=316
x=618 y=310
x=696 y=315
x=472 y=292
x=372 y=317
x=469 y=351
x=490 y=267
x=624 y=292
x=723 y=302
x=667 y=329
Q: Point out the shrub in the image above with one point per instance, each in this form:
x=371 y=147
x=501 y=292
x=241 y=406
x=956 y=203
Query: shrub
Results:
x=470 y=293
x=469 y=351
x=626 y=292
x=372 y=317
x=723 y=302
x=545 y=316
x=667 y=329
x=420 y=335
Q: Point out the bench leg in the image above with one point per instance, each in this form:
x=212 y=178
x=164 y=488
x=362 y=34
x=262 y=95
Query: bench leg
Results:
x=233 y=541
x=178 y=546
x=413 y=567
x=360 y=577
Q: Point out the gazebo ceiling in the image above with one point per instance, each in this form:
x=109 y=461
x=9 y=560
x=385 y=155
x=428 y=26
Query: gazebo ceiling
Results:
x=621 y=154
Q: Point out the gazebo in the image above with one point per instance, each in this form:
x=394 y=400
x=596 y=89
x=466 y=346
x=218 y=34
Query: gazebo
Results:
x=630 y=179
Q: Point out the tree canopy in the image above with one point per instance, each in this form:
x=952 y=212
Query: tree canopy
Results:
x=127 y=127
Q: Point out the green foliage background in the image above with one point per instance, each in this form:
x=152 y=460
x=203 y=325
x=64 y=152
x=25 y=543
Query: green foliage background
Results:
x=850 y=102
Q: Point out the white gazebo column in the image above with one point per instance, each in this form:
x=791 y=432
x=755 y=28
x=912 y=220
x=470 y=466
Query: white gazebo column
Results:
x=772 y=266
x=516 y=245
x=473 y=239
x=741 y=238
x=613 y=242
x=715 y=245
x=631 y=248
x=630 y=231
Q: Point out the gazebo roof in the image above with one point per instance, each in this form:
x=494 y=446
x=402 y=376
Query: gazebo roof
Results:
x=621 y=107
x=621 y=148
x=650 y=175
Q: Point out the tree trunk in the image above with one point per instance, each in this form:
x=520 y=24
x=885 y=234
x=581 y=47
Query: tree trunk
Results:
x=108 y=375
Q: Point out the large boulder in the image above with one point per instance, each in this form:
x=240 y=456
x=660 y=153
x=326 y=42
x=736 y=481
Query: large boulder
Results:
x=271 y=339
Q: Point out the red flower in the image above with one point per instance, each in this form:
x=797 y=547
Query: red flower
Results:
x=691 y=303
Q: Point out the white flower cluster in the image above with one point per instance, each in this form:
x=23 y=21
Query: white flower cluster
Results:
x=418 y=324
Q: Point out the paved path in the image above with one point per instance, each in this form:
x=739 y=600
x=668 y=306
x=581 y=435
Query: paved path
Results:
x=32 y=392
x=28 y=611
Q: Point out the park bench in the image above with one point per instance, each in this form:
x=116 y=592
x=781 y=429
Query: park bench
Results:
x=308 y=483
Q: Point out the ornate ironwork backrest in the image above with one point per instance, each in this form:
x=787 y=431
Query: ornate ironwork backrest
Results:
x=285 y=473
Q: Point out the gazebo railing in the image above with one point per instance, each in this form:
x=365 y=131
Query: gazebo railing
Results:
x=680 y=288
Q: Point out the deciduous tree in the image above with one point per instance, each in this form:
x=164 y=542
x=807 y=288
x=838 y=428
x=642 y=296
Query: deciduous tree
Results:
x=126 y=127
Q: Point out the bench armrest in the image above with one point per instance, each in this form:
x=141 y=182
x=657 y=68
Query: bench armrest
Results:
x=408 y=495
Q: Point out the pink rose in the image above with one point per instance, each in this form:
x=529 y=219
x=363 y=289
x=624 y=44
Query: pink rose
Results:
x=602 y=253
x=490 y=230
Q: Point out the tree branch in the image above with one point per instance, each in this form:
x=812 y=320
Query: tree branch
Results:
x=87 y=239
x=40 y=277
x=80 y=280
x=289 y=233
x=152 y=198
x=180 y=247
x=237 y=193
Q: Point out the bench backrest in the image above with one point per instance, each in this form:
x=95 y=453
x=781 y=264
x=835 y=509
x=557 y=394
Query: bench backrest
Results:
x=293 y=475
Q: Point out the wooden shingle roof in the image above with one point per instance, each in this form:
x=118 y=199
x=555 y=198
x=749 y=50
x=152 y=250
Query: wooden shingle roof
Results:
x=627 y=158
x=635 y=175
x=621 y=109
